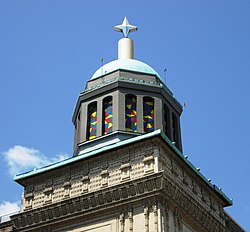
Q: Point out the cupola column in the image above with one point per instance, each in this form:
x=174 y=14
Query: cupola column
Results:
x=140 y=114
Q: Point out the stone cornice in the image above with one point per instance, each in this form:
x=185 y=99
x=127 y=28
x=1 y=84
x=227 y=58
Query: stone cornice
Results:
x=127 y=82
x=151 y=188
x=105 y=199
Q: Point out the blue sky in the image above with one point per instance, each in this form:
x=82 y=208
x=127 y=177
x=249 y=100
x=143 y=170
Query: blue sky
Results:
x=49 y=49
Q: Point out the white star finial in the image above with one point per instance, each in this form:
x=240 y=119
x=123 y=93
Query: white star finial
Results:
x=125 y=27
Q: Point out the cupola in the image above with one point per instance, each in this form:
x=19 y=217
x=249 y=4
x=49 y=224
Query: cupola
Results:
x=124 y=98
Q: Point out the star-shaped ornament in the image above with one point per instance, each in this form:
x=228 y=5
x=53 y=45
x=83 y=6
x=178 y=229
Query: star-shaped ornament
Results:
x=125 y=27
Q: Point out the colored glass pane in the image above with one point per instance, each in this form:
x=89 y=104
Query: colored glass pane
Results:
x=108 y=116
x=131 y=114
x=148 y=114
x=92 y=123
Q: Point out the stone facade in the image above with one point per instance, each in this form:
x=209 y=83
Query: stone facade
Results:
x=145 y=186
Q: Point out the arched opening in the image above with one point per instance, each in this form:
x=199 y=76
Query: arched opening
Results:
x=107 y=123
x=130 y=113
x=92 y=121
x=148 y=114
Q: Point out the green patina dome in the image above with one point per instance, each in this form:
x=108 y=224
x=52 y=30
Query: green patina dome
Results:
x=124 y=64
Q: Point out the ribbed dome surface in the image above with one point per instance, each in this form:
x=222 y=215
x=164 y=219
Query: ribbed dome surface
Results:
x=125 y=64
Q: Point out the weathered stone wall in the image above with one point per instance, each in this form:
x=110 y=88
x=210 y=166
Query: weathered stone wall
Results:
x=141 y=187
x=90 y=175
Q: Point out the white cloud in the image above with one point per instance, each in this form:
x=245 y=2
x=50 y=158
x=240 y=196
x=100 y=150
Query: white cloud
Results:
x=7 y=209
x=21 y=159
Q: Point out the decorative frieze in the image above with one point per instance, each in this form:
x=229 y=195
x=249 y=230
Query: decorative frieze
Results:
x=108 y=197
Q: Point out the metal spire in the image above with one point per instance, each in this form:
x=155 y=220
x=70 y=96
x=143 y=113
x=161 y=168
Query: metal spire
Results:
x=125 y=27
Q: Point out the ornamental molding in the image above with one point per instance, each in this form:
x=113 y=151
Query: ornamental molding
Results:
x=107 y=200
x=150 y=190
x=190 y=208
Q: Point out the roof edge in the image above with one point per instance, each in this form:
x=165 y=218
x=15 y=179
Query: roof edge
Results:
x=73 y=159
x=197 y=172
x=18 y=178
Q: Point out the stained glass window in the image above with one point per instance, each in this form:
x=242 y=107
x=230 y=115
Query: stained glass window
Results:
x=108 y=115
x=130 y=112
x=92 y=120
x=148 y=114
